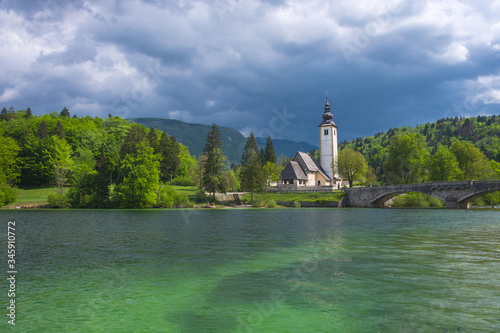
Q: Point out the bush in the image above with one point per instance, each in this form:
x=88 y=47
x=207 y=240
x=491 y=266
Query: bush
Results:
x=57 y=200
x=258 y=202
x=296 y=204
x=271 y=204
x=182 y=201
x=200 y=196
x=169 y=199
x=182 y=181
x=166 y=198
x=7 y=195
x=416 y=200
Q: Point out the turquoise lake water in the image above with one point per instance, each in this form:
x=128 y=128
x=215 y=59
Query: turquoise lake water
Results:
x=254 y=270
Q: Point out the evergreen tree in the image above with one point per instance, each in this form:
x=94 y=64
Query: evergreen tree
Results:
x=4 y=116
x=215 y=162
x=58 y=130
x=64 y=113
x=153 y=140
x=28 y=114
x=269 y=154
x=42 y=130
x=251 y=166
x=170 y=159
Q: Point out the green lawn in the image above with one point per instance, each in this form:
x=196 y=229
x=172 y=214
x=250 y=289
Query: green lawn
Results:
x=33 y=196
x=189 y=190
x=311 y=196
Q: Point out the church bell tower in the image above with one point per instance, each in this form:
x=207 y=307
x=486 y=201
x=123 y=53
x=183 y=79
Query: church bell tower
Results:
x=328 y=142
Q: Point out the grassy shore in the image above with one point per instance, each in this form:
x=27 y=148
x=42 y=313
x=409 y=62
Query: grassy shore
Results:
x=32 y=196
x=308 y=196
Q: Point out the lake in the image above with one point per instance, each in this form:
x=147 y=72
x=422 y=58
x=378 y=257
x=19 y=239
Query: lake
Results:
x=255 y=270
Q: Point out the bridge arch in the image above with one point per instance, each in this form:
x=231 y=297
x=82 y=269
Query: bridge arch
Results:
x=379 y=201
x=466 y=199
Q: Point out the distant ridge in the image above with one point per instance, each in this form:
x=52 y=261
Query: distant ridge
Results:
x=287 y=147
x=233 y=142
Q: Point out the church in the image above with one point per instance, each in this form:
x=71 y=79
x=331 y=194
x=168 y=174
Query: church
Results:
x=303 y=173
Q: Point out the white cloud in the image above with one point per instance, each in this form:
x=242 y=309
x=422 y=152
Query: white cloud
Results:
x=180 y=115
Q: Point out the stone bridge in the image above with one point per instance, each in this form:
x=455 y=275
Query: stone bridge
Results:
x=455 y=194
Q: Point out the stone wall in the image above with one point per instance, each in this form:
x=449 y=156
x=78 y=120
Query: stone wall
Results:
x=331 y=204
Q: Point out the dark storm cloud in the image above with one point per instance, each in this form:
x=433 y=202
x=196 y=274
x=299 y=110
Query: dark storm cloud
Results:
x=262 y=66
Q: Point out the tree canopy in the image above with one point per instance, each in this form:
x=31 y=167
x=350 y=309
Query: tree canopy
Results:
x=351 y=165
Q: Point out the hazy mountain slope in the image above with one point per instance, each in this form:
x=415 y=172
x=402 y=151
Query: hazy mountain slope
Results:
x=287 y=147
x=194 y=135
x=233 y=142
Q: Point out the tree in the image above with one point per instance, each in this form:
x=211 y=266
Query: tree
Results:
x=61 y=161
x=251 y=173
x=444 y=166
x=135 y=137
x=407 y=159
x=9 y=162
x=200 y=162
x=170 y=159
x=90 y=182
x=64 y=112
x=42 y=130
x=187 y=163
x=141 y=178
x=82 y=177
x=28 y=113
x=471 y=161
x=271 y=172
x=269 y=154
x=215 y=162
x=351 y=164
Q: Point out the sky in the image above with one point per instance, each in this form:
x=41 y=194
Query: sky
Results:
x=262 y=66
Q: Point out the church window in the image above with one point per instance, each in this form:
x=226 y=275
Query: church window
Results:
x=326 y=132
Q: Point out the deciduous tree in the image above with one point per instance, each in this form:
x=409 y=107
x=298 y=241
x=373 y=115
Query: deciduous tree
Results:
x=407 y=159
x=351 y=165
x=444 y=166
x=471 y=161
x=141 y=178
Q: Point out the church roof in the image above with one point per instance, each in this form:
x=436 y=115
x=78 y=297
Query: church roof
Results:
x=308 y=163
x=293 y=170
x=301 y=166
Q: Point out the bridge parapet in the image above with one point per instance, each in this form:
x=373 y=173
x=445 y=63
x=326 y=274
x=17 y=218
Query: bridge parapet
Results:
x=456 y=194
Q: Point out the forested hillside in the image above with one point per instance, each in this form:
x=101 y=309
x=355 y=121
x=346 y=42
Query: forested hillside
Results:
x=483 y=132
x=90 y=154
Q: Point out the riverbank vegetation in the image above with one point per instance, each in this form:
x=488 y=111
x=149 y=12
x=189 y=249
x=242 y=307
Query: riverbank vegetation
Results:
x=312 y=197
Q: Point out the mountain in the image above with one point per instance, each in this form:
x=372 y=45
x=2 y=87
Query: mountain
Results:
x=287 y=147
x=194 y=137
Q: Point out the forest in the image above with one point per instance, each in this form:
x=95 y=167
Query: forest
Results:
x=482 y=131
x=101 y=162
